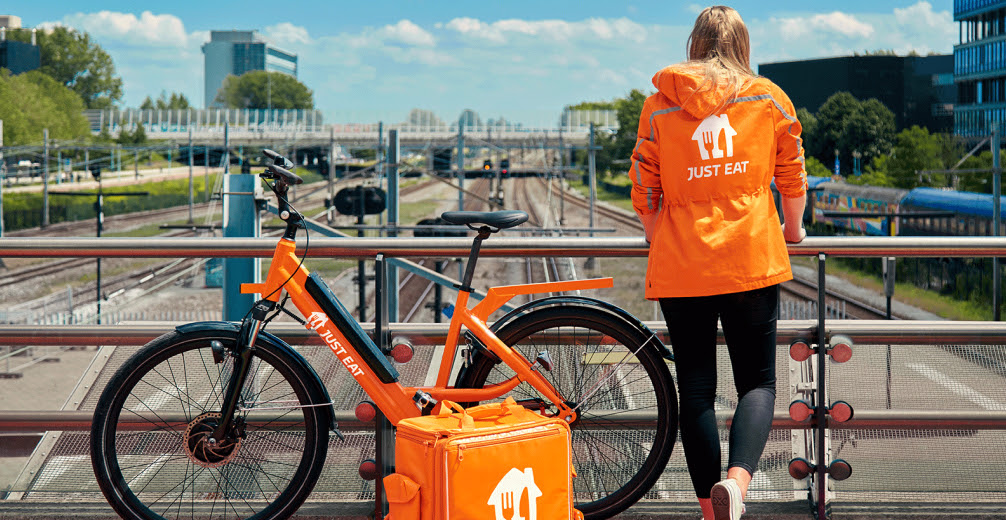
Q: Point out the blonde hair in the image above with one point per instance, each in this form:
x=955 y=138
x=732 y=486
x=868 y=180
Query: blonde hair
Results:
x=719 y=49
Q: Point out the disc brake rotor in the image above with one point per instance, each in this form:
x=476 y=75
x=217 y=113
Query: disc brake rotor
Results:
x=202 y=448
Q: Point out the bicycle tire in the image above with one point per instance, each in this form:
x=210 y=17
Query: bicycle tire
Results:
x=158 y=463
x=615 y=466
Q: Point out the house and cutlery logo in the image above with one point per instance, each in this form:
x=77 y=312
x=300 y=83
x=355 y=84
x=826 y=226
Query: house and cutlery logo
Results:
x=506 y=497
x=711 y=132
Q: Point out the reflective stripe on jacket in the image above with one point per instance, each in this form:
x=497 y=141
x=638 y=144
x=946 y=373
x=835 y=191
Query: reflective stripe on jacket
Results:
x=707 y=168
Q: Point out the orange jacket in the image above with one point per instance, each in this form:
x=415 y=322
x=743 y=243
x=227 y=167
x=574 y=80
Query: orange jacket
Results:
x=708 y=175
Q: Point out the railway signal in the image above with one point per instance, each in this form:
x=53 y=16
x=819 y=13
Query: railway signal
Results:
x=99 y=208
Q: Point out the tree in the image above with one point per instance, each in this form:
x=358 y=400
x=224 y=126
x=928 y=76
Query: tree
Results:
x=41 y=103
x=136 y=137
x=176 y=102
x=263 y=89
x=815 y=168
x=847 y=125
x=811 y=140
x=72 y=59
x=616 y=149
x=915 y=150
x=869 y=130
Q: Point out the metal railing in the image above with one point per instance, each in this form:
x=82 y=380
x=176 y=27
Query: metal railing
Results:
x=817 y=333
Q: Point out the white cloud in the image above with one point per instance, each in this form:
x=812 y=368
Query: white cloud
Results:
x=163 y=30
x=408 y=33
x=287 y=33
x=922 y=14
x=835 y=23
x=554 y=30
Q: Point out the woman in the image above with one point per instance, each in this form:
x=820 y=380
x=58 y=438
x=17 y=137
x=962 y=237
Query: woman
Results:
x=710 y=143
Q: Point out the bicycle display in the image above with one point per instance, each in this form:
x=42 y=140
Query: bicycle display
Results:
x=225 y=419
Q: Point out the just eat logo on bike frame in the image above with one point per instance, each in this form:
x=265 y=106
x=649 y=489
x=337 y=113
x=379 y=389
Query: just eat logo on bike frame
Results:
x=317 y=322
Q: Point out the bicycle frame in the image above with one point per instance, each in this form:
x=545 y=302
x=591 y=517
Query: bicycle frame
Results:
x=396 y=401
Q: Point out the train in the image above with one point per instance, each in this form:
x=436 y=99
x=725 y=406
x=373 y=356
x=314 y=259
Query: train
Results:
x=881 y=211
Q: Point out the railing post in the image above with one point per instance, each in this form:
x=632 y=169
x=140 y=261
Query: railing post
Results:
x=384 y=440
x=820 y=401
x=240 y=219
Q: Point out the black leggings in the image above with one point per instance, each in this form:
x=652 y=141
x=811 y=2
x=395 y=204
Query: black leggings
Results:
x=749 y=326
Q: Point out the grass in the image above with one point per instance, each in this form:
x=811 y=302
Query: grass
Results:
x=153 y=230
x=612 y=198
x=909 y=294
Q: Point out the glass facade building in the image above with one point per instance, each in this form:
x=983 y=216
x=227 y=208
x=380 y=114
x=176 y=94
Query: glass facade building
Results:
x=238 y=52
x=980 y=66
x=919 y=90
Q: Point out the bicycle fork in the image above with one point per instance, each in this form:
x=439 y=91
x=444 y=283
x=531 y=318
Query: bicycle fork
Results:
x=247 y=336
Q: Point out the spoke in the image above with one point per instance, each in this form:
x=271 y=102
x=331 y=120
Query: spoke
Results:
x=155 y=415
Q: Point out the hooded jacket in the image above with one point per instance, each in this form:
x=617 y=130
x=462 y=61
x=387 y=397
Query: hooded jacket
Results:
x=704 y=162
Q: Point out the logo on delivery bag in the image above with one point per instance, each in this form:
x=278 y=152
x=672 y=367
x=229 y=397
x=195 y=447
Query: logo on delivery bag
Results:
x=506 y=497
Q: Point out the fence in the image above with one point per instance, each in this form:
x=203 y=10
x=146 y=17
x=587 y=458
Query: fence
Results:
x=929 y=399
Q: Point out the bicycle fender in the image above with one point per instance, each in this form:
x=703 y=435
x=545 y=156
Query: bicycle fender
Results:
x=319 y=392
x=590 y=302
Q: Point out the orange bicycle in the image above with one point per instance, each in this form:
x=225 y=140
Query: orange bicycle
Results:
x=225 y=419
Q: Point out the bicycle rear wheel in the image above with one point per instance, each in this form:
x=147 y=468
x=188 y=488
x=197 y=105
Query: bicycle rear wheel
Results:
x=626 y=403
x=151 y=438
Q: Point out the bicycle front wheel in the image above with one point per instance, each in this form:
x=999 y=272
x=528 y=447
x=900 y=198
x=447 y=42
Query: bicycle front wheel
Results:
x=152 y=445
x=621 y=389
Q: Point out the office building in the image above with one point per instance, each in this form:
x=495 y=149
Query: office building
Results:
x=16 y=56
x=238 y=52
x=9 y=21
x=919 y=90
x=980 y=66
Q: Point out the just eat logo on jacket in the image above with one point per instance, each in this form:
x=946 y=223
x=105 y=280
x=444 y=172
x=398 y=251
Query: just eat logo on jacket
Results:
x=711 y=133
x=707 y=137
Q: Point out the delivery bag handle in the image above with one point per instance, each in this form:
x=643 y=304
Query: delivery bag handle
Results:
x=467 y=418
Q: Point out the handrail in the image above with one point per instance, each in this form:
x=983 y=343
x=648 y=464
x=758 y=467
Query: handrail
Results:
x=866 y=332
x=155 y=247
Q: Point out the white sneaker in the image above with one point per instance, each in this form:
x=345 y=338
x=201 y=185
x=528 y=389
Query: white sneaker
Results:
x=726 y=500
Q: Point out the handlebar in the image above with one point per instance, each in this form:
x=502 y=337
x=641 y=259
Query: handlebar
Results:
x=278 y=169
x=277 y=158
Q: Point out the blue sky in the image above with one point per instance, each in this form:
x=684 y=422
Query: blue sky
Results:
x=375 y=60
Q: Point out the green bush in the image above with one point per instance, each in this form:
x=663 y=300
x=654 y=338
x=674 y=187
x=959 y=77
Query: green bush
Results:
x=24 y=210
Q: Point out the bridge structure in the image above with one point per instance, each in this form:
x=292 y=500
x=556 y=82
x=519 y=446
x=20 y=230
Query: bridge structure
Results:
x=250 y=127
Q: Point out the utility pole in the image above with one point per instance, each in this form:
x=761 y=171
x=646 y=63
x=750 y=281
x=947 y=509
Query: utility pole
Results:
x=227 y=149
x=206 y=163
x=45 y=177
x=191 y=194
x=461 y=164
x=996 y=218
x=331 y=174
x=562 y=177
x=593 y=178
x=394 y=152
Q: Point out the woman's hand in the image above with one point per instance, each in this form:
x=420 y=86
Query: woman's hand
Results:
x=794 y=237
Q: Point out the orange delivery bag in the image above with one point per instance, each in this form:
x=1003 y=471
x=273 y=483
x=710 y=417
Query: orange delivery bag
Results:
x=495 y=461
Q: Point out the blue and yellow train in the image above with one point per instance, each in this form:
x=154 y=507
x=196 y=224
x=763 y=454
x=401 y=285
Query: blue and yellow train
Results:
x=874 y=210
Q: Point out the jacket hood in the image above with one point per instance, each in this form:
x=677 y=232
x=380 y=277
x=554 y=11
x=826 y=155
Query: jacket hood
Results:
x=681 y=86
